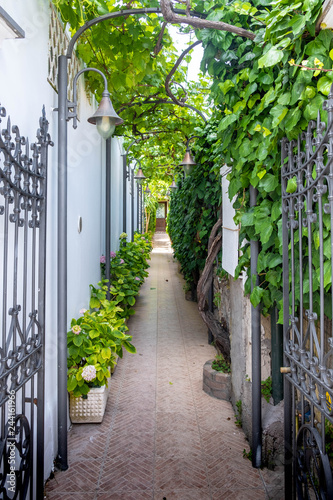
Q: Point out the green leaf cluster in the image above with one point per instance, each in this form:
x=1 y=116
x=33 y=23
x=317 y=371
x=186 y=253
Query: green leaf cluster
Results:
x=100 y=339
x=127 y=51
x=194 y=208
x=220 y=364
x=99 y=336
x=128 y=271
x=261 y=98
x=255 y=99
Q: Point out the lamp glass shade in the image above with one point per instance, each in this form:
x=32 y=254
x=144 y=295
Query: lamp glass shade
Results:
x=105 y=126
x=105 y=117
x=173 y=186
x=187 y=169
x=147 y=190
x=140 y=177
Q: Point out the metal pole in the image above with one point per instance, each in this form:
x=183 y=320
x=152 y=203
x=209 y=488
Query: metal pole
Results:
x=132 y=205
x=256 y=352
x=124 y=191
x=277 y=357
x=62 y=460
x=211 y=309
x=108 y=215
x=142 y=194
x=142 y=209
x=137 y=207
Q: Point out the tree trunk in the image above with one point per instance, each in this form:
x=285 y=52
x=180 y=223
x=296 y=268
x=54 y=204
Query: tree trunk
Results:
x=218 y=329
x=197 y=22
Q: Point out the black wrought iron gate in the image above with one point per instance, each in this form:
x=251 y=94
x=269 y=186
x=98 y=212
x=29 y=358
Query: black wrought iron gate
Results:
x=22 y=294
x=307 y=208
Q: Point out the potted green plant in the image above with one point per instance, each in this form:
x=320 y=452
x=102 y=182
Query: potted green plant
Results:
x=94 y=341
x=216 y=378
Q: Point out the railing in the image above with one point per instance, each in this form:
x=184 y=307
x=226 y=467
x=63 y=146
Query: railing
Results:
x=22 y=291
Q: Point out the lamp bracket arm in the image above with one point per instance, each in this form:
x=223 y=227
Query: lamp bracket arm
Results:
x=71 y=110
x=190 y=138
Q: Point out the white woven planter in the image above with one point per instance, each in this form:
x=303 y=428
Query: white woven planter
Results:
x=90 y=410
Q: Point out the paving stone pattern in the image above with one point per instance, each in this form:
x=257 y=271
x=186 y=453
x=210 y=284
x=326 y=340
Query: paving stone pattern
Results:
x=162 y=436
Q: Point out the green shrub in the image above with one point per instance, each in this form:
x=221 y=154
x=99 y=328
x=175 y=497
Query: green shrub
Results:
x=93 y=341
x=220 y=364
x=99 y=336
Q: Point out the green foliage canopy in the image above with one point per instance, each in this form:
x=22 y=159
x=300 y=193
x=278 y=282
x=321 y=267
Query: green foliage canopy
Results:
x=261 y=98
x=258 y=97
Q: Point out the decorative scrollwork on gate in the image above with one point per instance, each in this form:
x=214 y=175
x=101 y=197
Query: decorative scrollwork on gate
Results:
x=307 y=208
x=15 y=459
x=23 y=187
x=313 y=467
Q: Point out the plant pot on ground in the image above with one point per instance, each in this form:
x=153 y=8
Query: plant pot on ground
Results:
x=94 y=341
x=217 y=379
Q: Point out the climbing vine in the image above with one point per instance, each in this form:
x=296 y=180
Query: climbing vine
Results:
x=194 y=208
x=264 y=92
x=136 y=53
x=267 y=83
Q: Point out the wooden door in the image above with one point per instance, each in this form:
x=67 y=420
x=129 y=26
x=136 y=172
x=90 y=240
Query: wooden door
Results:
x=161 y=214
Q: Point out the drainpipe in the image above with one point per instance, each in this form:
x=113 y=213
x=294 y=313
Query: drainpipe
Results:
x=126 y=175
x=211 y=309
x=62 y=461
x=277 y=357
x=256 y=352
x=137 y=208
x=132 y=205
x=108 y=214
x=124 y=191
x=142 y=210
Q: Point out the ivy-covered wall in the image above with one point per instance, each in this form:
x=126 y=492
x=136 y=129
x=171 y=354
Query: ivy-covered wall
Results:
x=194 y=207
x=262 y=91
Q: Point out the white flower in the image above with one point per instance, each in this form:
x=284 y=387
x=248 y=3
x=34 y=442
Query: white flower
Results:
x=89 y=373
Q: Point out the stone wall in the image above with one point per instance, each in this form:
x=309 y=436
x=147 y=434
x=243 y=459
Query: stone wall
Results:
x=234 y=310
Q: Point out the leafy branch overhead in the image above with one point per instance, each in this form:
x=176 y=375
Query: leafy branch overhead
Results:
x=262 y=82
x=138 y=58
x=199 y=23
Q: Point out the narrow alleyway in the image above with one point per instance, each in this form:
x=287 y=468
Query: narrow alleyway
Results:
x=162 y=437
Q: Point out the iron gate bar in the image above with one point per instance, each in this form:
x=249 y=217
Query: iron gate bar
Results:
x=23 y=184
x=308 y=355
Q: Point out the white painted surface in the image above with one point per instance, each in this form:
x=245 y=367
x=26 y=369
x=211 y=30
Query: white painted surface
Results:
x=326 y=17
x=230 y=230
x=24 y=90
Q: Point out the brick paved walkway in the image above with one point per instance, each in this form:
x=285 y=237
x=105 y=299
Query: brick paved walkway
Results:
x=162 y=437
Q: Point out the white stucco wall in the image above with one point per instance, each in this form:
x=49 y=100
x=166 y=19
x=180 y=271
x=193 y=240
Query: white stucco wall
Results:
x=230 y=231
x=117 y=192
x=24 y=89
